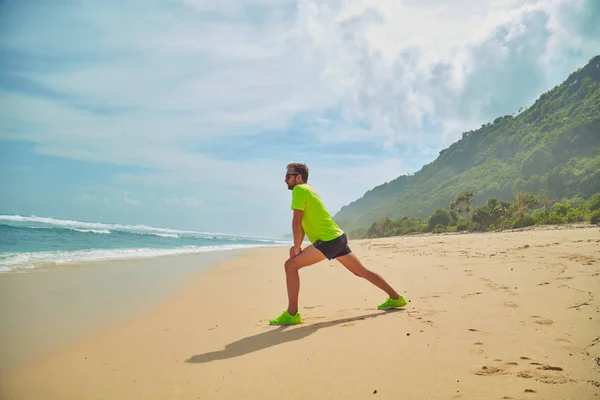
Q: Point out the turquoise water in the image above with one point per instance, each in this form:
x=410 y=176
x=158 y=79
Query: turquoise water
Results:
x=30 y=242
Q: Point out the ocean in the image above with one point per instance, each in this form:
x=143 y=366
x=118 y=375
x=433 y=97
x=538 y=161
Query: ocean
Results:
x=29 y=242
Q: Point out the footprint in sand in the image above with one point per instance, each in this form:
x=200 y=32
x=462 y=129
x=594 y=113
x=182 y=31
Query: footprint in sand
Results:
x=586 y=260
x=311 y=318
x=510 y=304
x=469 y=272
x=477 y=348
x=565 y=278
x=422 y=313
x=545 y=374
x=489 y=370
x=494 y=286
x=427 y=297
x=311 y=307
x=543 y=321
x=464 y=296
x=478 y=332
x=551 y=368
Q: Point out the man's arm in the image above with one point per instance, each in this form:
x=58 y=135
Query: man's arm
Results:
x=297 y=230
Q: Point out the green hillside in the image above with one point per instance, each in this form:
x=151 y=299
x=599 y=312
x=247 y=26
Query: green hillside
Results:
x=551 y=149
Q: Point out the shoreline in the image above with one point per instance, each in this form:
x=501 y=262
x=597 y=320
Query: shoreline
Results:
x=52 y=265
x=68 y=302
x=489 y=316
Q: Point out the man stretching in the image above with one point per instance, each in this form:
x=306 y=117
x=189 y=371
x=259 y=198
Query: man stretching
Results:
x=327 y=241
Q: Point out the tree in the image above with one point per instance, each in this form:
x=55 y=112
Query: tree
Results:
x=441 y=217
x=463 y=198
x=524 y=202
x=452 y=205
x=467 y=197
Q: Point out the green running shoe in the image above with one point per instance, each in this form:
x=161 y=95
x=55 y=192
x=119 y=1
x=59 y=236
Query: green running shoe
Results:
x=286 y=319
x=390 y=303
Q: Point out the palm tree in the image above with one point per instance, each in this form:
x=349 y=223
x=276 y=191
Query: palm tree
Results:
x=463 y=198
x=524 y=202
x=452 y=205
x=467 y=196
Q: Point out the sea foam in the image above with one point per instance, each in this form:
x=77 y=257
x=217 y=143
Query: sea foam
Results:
x=13 y=262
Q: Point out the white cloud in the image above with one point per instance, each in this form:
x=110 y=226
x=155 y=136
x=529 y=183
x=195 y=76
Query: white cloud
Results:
x=388 y=64
x=153 y=86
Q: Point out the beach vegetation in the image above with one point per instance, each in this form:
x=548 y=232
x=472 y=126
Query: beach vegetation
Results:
x=493 y=215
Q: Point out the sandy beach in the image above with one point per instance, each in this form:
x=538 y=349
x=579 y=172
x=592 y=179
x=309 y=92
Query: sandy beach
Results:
x=505 y=315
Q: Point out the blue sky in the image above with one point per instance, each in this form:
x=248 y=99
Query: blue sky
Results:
x=184 y=113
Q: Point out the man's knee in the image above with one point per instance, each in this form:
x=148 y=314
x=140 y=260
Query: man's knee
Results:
x=290 y=263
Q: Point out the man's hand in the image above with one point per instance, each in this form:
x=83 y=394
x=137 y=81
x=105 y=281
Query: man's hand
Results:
x=294 y=251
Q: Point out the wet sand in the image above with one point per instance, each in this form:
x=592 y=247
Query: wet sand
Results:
x=47 y=308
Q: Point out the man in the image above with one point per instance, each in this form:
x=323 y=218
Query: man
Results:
x=312 y=219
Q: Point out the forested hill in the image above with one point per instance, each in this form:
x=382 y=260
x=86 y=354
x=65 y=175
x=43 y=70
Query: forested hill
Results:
x=550 y=149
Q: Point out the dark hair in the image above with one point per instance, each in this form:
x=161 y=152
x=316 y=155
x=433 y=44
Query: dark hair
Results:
x=301 y=169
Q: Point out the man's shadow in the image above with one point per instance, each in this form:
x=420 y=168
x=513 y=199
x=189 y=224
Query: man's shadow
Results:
x=281 y=334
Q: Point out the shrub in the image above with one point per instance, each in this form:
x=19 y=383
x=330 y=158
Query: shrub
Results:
x=439 y=228
x=464 y=225
x=541 y=217
x=577 y=215
x=523 y=221
x=555 y=218
x=562 y=209
x=595 y=218
x=594 y=202
x=441 y=217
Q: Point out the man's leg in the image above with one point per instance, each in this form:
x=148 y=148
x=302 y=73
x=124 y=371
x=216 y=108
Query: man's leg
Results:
x=308 y=256
x=353 y=264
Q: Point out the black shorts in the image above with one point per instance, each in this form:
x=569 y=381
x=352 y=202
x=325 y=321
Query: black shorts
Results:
x=334 y=248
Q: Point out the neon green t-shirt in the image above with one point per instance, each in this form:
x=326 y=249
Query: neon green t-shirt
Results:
x=316 y=222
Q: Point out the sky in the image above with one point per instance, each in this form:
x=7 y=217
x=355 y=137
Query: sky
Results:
x=185 y=113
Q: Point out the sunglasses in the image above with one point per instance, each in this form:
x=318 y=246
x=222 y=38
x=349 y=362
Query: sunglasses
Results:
x=287 y=176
